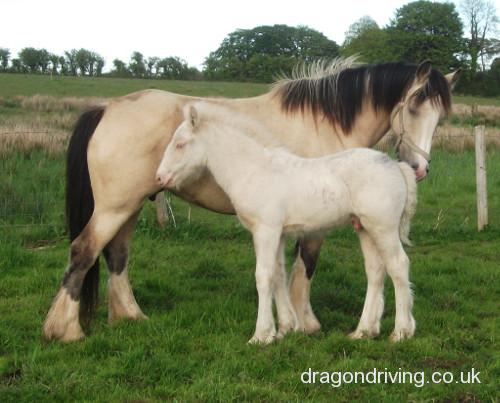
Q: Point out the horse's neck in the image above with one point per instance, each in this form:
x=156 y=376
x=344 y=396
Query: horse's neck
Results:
x=369 y=127
x=232 y=156
x=306 y=136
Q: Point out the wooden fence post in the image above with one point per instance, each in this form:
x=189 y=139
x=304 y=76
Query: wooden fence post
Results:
x=482 y=193
x=161 y=209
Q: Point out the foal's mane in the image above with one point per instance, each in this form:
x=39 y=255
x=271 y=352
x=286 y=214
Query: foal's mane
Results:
x=338 y=89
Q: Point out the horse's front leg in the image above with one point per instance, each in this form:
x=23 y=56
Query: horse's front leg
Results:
x=286 y=314
x=266 y=242
x=300 y=283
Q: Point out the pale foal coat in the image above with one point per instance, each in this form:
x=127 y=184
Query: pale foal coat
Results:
x=276 y=193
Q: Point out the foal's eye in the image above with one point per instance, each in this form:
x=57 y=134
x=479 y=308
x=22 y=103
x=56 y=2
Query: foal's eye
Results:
x=180 y=145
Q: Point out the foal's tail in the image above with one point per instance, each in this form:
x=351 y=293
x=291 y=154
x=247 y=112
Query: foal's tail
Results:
x=411 y=202
x=80 y=200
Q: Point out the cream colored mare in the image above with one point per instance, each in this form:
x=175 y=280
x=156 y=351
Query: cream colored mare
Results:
x=125 y=149
x=276 y=193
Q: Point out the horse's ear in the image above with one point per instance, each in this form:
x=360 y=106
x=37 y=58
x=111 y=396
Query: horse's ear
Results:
x=192 y=117
x=423 y=71
x=453 y=77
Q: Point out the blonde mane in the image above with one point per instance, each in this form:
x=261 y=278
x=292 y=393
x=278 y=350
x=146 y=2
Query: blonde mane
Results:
x=316 y=70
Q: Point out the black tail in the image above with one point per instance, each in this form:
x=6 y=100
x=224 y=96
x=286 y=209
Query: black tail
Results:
x=80 y=201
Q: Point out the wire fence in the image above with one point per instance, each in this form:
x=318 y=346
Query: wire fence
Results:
x=42 y=204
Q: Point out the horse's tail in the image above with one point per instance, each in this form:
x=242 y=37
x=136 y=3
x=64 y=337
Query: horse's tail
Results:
x=80 y=200
x=410 y=204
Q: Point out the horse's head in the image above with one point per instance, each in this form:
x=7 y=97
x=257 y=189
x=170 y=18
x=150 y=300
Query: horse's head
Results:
x=184 y=159
x=415 y=117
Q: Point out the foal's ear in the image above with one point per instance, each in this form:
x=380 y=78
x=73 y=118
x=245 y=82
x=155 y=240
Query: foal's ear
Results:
x=192 y=117
x=423 y=71
x=453 y=77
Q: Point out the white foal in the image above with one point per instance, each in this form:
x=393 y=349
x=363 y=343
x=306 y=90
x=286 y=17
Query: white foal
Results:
x=276 y=193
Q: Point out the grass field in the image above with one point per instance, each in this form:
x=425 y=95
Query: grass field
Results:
x=196 y=283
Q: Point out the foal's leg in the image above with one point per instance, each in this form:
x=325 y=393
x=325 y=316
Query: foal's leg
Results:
x=62 y=322
x=286 y=314
x=369 y=324
x=266 y=242
x=397 y=265
x=121 y=300
x=300 y=283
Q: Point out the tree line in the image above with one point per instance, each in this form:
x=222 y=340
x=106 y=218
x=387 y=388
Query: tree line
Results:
x=84 y=62
x=420 y=30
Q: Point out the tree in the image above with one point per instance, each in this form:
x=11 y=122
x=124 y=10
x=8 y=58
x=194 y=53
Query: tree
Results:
x=152 y=62
x=64 y=65
x=17 y=66
x=99 y=64
x=173 y=68
x=365 y=38
x=29 y=58
x=120 y=69
x=72 y=65
x=233 y=59
x=84 y=61
x=481 y=20
x=425 y=30
x=54 y=62
x=4 y=58
x=356 y=29
x=43 y=60
x=136 y=65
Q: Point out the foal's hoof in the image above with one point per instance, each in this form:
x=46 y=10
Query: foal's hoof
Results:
x=359 y=334
x=264 y=339
x=400 y=335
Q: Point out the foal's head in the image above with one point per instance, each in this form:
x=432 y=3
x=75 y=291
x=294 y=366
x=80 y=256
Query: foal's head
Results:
x=415 y=117
x=184 y=159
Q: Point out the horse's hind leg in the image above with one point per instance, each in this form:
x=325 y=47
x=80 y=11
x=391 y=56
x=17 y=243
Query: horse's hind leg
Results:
x=398 y=266
x=369 y=324
x=121 y=300
x=286 y=314
x=62 y=322
x=300 y=283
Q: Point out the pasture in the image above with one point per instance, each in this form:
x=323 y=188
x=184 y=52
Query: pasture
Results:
x=196 y=281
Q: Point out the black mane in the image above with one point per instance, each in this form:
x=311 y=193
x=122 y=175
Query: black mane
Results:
x=339 y=96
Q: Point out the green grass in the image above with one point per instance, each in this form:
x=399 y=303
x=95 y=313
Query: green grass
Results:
x=29 y=84
x=474 y=100
x=197 y=285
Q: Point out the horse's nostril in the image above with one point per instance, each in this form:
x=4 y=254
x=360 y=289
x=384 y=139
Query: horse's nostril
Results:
x=427 y=168
x=414 y=166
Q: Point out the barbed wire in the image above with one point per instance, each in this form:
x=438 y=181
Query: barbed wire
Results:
x=389 y=136
x=30 y=132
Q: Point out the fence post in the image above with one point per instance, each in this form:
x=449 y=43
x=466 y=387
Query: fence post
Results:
x=161 y=209
x=482 y=193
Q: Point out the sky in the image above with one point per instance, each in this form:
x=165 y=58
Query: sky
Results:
x=189 y=29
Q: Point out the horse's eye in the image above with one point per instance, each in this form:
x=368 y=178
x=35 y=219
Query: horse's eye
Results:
x=180 y=145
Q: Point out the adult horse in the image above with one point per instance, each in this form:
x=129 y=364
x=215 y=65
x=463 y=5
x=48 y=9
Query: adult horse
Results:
x=115 y=149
